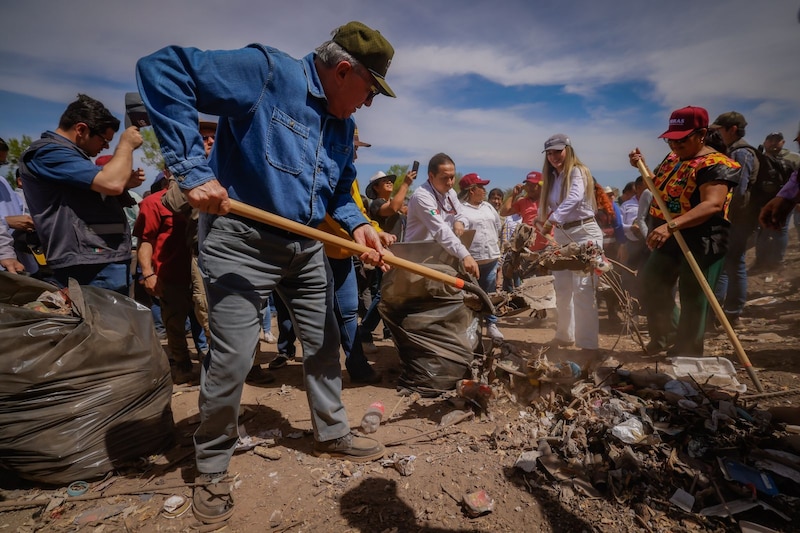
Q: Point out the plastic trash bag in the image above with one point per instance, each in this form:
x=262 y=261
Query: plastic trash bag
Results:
x=436 y=335
x=82 y=393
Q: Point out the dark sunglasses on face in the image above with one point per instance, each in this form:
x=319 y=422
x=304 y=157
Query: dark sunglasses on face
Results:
x=681 y=140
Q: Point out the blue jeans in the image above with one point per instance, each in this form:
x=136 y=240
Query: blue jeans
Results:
x=111 y=276
x=373 y=317
x=198 y=335
x=771 y=245
x=286 y=335
x=241 y=266
x=731 y=287
x=345 y=305
x=488 y=282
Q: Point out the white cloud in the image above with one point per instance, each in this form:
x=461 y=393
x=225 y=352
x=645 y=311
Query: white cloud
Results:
x=736 y=54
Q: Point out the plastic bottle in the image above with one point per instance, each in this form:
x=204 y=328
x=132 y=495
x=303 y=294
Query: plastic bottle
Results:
x=372 y=418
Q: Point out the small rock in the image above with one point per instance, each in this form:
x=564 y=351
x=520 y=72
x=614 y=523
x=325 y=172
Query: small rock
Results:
x=273 y=454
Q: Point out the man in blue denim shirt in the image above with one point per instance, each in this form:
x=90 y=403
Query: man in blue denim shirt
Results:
x=284 y=144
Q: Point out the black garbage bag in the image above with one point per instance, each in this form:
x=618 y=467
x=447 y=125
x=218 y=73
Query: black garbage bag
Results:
x=436 y=335
x=81 y=393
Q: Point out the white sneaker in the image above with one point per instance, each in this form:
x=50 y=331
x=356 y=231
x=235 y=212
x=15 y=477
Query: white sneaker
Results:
x=268 y=337
x=494 y=332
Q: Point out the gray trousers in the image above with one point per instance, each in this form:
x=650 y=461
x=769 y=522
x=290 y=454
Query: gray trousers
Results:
x=241 y=265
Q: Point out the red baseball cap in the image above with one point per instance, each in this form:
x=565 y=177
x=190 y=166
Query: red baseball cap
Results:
x=534 y=177
x=684 y=121
x=471 y=179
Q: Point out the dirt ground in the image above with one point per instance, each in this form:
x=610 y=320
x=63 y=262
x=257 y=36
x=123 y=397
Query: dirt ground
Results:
x=295 y=491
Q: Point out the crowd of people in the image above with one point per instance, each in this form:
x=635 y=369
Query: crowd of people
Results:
x=200 y=262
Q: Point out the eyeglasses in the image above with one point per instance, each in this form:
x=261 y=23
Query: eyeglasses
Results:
x=207 y=137
x=373 y=90
x=681 y=140
x=98 y=134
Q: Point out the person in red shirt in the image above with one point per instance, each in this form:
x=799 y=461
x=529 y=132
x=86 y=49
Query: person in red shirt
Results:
x=528 y=206
x=165 y=259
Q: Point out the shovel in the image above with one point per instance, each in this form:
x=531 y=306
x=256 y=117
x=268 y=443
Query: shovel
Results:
x=259 y=215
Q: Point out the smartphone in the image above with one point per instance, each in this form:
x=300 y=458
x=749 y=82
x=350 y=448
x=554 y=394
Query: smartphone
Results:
x=415 y=166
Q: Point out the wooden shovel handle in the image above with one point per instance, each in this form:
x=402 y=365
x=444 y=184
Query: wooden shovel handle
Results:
x=259 y=215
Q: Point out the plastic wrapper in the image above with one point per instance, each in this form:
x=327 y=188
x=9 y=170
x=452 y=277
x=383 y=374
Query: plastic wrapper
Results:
x=435 y=333
x=81 y=393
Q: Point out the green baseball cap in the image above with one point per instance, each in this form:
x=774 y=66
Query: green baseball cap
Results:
x=731 y=118
x=370 y=48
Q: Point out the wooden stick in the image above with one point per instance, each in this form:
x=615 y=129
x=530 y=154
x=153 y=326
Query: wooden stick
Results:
x=698 y=273
x=265 y=217
x=259 y=215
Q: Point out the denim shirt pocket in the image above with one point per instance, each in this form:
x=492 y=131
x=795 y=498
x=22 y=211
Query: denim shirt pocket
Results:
x=287 y=141
x=340 y=155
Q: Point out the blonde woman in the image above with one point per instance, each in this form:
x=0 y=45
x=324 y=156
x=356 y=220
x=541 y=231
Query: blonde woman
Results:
x=567 y=205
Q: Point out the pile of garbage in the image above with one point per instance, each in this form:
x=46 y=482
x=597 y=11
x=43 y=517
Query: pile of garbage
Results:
x=681 y=442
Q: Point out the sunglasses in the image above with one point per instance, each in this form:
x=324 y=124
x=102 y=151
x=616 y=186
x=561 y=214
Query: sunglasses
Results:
x=681 y=140
x=373 y=89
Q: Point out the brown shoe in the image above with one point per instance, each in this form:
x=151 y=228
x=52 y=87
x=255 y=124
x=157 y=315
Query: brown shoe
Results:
x=351 y=447
x=212 y=501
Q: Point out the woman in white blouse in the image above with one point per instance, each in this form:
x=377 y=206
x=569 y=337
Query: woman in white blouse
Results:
x=568 y=205
x=479 y=215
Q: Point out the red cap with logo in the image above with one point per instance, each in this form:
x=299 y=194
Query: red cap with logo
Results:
x=684 y=121
x=471 y=179
x=533 y=177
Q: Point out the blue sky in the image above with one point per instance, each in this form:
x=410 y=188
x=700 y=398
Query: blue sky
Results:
x=485 y=82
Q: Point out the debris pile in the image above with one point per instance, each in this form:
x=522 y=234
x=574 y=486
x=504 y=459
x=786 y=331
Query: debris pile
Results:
x=679 y=442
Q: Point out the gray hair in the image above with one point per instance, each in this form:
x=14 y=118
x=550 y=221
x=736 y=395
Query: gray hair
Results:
x=331 y=54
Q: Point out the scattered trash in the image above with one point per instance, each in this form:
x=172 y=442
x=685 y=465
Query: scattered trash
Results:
x=98 y=514
x=747 y=475
x=752 y=527
x=683 y=499
x=371 y=420
x=527 y=461
x=739 y=506
x=543 y=370
x=453 y=416
x=175 y=506
x=402 y=463
x=708 y=371
x=77 y=488
x=630 y=431
x=478 y=503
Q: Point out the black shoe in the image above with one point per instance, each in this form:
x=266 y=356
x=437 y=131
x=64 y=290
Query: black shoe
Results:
x=654 y=348
x=280 y=361
x=259 y=376
x=212 y=501
x=368 y=377
x=351 y=447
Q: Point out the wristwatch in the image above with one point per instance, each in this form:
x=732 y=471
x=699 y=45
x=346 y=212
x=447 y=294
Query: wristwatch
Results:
x=672 y=226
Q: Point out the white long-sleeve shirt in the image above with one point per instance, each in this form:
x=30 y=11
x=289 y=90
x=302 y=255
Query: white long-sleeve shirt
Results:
x=575 y=206
x=483 y=218
x=629 y=210
x=431 y=216
x=644 y=208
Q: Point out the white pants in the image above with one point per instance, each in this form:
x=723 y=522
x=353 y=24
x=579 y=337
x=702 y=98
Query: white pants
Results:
x=576 y=304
